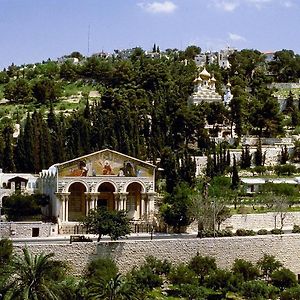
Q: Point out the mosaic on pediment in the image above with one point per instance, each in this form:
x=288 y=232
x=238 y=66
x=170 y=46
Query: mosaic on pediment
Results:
x=106 y=163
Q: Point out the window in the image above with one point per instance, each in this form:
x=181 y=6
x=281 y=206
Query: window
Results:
x=35 y=232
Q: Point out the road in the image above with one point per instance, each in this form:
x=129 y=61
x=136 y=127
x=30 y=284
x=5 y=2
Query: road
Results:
x=65 y=239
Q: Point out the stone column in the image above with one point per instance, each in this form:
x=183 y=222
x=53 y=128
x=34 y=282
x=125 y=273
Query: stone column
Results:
x=144 y=205
x=138 y=208
x=87 y=202
x=64 y=206
x=151 y=203
x=63 y=209
x=93 y=200
x=117 y=200
x=67 y=207
x=123 y=197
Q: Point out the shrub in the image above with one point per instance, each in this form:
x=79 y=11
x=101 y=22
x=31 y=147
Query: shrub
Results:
x=6 y=248
x=245 y=232
x=285 y=169
x=182 y=274
x=159 y=267
x=291 y=293
x=101 y=269
x=268 y=264
x=246 y=269
x=189 y=291
x=296 y=229
x=222 y=280
x=283 y=278
x=262 y=232
x=144 y=278
x=277 y=231
x=202 y=265
x=224 y=233
x=258 y=289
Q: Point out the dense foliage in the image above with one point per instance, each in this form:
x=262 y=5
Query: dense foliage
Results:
x=29 y=276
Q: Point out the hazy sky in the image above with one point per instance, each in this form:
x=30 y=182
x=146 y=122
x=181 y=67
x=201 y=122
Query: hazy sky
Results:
x=35 y=30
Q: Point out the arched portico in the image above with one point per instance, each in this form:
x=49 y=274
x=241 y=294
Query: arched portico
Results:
x=134 y=202
x=106 y=196
x=76 y=201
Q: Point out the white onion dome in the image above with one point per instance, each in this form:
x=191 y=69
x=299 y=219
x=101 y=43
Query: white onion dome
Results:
x=198 y=79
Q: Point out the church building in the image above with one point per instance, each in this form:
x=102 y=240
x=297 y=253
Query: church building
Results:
x=102 y=179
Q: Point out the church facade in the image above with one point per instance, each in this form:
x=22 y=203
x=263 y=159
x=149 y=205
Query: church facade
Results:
x=102 y=179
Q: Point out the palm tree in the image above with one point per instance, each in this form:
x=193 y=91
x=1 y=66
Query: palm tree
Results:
x=34 y=277
x=114 y=289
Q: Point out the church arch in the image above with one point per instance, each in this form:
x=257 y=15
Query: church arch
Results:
x=106 y=197
x=138 y=182
x=77 y=201
x=134 y=199
x=67 y=188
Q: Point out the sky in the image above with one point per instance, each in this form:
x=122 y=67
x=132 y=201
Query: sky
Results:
x=35 y=30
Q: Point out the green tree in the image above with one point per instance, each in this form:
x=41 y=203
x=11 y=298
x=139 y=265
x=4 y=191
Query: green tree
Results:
x=258 y=290
x=45 y=89
x=268 y=264
x=101 y=221
x=191 y=51
x=18 y=90
x=6 y=248
x=246 y=157
x=283 y=278
x=246 y=269
x=202 y=266
x=176 y=210
x=34 y=277
x=284 y=157
x=8 y=162
x=259 y=156
x=18 y=207
x=235 y=180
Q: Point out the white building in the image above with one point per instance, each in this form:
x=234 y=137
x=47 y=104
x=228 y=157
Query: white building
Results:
x=205 y=89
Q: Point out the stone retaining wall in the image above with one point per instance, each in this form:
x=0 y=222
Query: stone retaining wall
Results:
x=77 y=255
x=261 y=221
x=25 y=229
x=130 y=253
x=127 y=254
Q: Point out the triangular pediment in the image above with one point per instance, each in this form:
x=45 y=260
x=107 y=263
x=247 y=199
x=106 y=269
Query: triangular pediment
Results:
x=105 y=163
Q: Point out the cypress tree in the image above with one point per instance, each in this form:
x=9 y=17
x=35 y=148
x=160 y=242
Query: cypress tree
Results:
x=246 y=158
x=8 y=158
x=259 y=156
x=284 y=157
x=28 y=145
x=235 y=175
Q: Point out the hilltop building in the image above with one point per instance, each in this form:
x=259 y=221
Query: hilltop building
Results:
x=221 y=58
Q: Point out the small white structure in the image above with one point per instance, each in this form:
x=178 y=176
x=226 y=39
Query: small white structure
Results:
x=227 y=96
x=252 y=185
x=12 y=182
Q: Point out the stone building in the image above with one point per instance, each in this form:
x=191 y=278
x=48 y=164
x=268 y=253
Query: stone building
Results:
x=102 y=179
x=105 y=178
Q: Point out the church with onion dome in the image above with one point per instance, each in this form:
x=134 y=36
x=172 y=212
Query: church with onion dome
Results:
x=205 y=89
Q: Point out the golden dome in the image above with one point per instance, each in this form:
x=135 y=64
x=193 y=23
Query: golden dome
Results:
x=204 y=74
